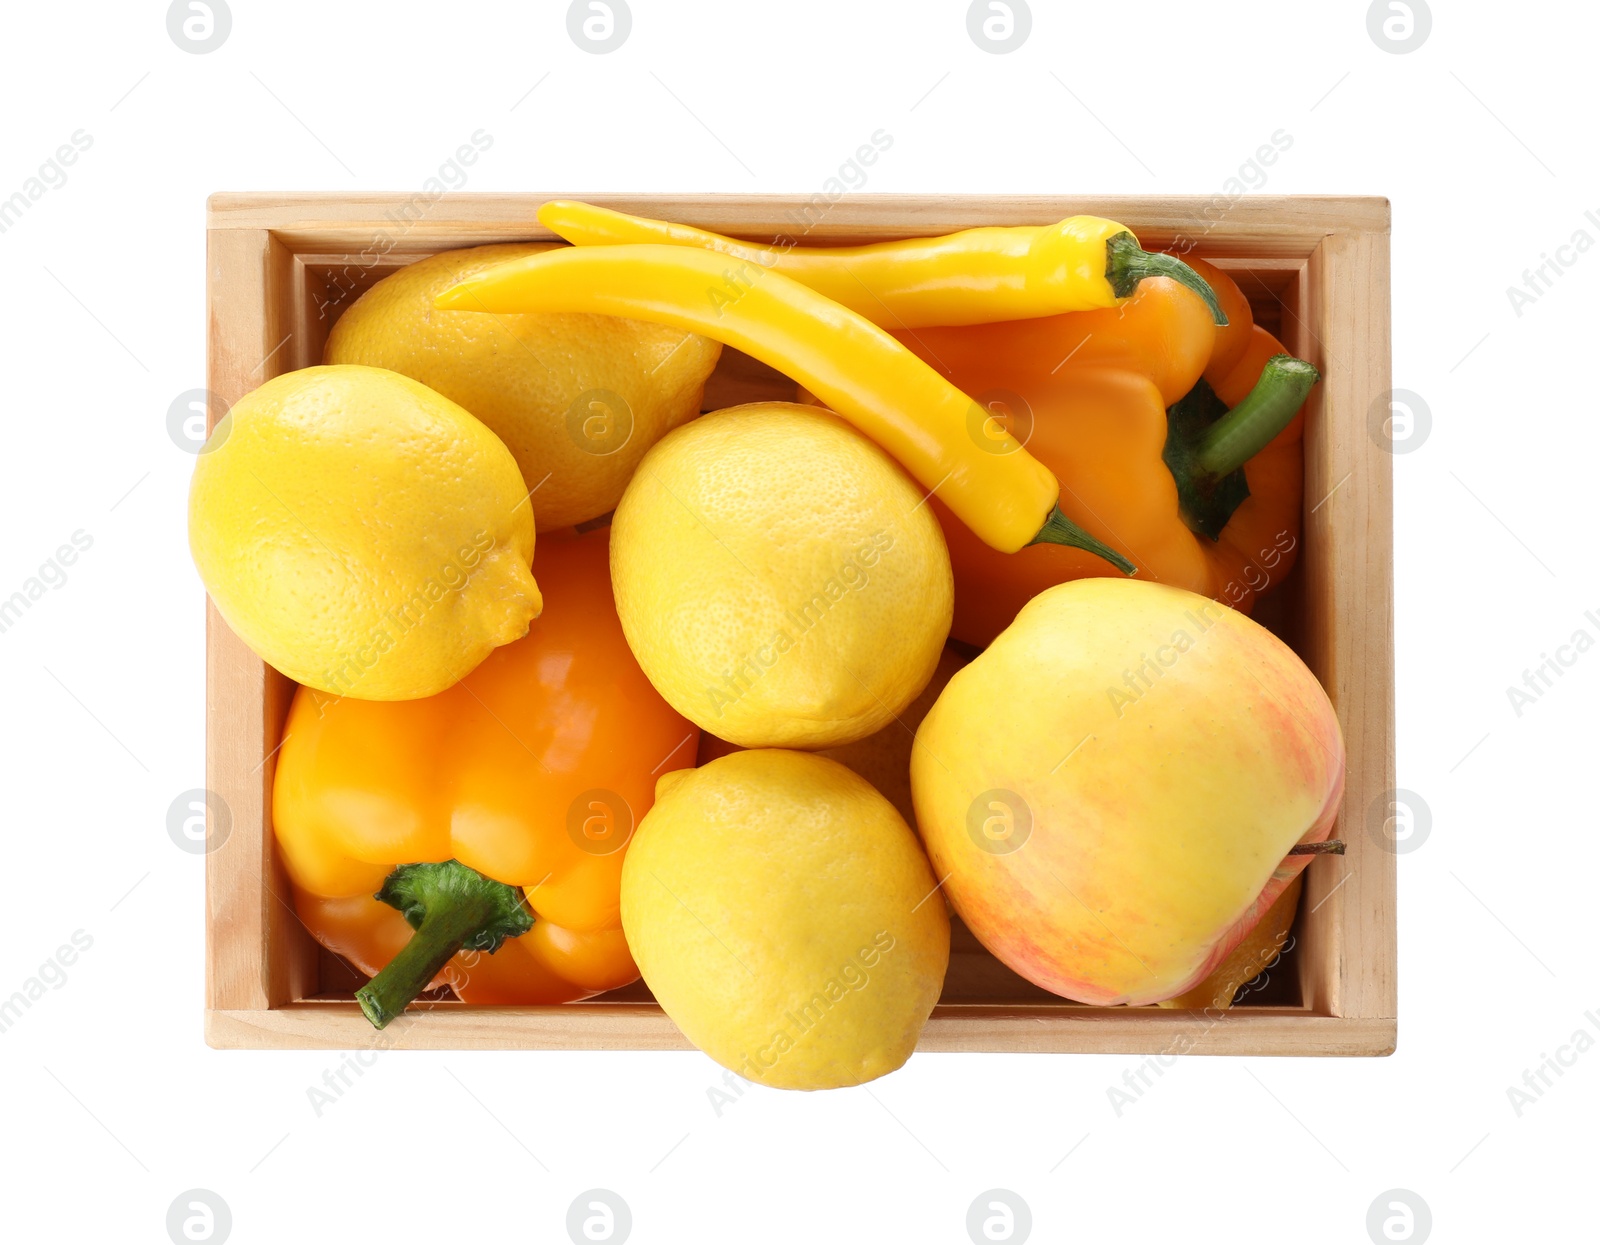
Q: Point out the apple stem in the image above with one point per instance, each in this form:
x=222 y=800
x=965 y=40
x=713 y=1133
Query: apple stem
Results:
x=1328 y=847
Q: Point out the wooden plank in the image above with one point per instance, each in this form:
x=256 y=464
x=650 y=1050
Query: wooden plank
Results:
x=1347 y=614
x=374 y=223
x=1314 y=624
x=256 y=954
x=236 y=920
x=293 y=963
x=1117 y=1031
x=340 y=1026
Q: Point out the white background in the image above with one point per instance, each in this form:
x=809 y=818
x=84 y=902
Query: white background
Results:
x=1484 y=140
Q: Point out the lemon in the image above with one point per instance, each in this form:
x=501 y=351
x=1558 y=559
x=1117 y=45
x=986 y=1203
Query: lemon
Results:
x=363 y=534
x=578 y=399
x=785 y=917
x=779 y=578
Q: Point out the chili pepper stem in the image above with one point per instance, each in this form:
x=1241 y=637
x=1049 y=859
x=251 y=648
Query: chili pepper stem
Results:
x=451 y=907
x=1060 y=530
x=1128 y=263
x=1244 y=431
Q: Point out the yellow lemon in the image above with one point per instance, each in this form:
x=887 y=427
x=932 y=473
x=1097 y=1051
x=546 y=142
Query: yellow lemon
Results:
x=578 y=399
x=786 y=919
x=779 y=578
x=363 y=534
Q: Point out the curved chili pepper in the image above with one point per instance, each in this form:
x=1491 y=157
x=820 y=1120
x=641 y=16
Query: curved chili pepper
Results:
x=933 y=429
x=975 y=276
x=1097 y=396
x=491 y=817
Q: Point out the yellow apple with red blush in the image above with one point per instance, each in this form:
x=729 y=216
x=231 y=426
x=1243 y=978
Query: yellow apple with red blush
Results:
x=1122 y=784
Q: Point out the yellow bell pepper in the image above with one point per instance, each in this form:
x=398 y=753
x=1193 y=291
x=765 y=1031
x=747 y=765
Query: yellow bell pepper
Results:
x=937 y=433
x=490 y=818
x=976 y=276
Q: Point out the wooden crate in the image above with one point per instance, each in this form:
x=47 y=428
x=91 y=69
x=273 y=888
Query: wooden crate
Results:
x=280 y=268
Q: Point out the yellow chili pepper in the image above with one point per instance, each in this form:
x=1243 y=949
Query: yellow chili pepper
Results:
x=976 y=276
x=937 y=433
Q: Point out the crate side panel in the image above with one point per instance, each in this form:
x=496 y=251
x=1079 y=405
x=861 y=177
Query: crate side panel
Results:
x=341 y=1026
x=236 y=924
x=258 y=956
x=1347 y=615
x=374 y=224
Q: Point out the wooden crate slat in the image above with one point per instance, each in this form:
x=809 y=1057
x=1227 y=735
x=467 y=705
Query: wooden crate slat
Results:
x=340 y=1026
x=1349 y=616
x=236 y=924
x=1268 y=225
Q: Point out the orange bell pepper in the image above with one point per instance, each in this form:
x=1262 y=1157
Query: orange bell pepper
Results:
x=1125 y=407
x=496 y=812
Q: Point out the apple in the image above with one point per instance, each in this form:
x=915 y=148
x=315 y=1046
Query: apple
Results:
x=1113 y=790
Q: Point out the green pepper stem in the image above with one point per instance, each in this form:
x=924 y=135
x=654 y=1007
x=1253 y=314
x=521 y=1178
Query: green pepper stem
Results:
x=1060 y=530
x=451 y=907
x=1244 y=431
x=1128 y=263
x=409 y=973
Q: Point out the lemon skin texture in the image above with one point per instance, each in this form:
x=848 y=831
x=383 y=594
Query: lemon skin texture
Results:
x=363 y=534
x=578 y=399
x=779 y=578
x=786 y=919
